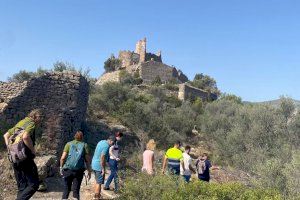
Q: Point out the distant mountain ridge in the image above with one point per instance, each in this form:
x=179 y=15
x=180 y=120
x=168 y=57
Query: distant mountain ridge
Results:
x=274 y=102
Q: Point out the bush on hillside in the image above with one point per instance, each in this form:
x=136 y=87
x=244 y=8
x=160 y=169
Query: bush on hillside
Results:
x=112 y=64
x=141 y=186
x=205 y=82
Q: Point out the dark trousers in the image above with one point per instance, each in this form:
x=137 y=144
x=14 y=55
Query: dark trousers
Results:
x=174 y=170
x=72 y=177
x=27 y=179
x=113 y=165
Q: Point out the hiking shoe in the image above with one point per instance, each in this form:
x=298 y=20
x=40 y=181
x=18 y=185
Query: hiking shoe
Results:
x=106 y=188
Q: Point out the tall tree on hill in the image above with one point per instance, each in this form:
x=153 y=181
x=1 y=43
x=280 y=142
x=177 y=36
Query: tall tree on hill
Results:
x=205 y=82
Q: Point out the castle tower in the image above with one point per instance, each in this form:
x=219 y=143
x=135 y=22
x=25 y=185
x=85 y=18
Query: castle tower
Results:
x=140 y=48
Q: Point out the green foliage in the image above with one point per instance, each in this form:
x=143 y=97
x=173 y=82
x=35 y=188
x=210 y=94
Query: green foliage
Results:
x=255 y=138
x=141 y=186
x=112 y=64
x=156 y=81
x=21 y=76
x=231 y=97
x=259 y=139
x=59 y=66
x=127 y=78
x=205 y=82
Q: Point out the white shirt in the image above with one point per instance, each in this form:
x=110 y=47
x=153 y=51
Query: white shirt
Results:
x=114 y=152
x=187 y=162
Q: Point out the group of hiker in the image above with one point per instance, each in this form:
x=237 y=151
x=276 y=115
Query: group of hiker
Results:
x=75 y=159
x=177 y=161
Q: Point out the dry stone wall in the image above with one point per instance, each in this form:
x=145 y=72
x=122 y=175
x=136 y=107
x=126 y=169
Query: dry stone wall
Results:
x=63 y=96
x=188 y=92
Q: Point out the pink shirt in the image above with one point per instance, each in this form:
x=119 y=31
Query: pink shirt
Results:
x=147 y=161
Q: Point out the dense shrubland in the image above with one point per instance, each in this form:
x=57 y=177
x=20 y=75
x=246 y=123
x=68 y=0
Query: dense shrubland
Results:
x=140 y=186
x=259 y=139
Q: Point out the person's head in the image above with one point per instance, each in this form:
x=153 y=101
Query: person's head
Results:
x=78 y=135
x=151 y=145
x=36 y=115
x=111 y=140
x=177 y=144
x=204 y=156
x=119 y=136
x=187 y=149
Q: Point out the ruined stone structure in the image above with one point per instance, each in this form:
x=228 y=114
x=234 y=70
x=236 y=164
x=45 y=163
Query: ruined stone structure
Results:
x=63 y=96
x=148 y=65
x=189 y=92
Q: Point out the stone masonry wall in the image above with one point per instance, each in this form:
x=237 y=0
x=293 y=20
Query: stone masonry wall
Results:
x=151 y=69
x=128 y=58
x=109 y=77
x=186 y=91
x=63 y=97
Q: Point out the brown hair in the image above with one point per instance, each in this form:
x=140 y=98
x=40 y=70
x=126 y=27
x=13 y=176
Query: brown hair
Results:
x=187 y=147
x=151 y=145
x=78 y=136
x=35 y=114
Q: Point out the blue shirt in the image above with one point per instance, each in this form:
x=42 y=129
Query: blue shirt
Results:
x=101 y=149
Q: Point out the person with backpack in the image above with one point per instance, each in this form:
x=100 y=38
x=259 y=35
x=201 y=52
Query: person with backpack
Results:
x=101 y=156
x=186 y=169
x=113 y=163
x=20 y=142
x=73 y=162
x=173 y=159
x=203 y=166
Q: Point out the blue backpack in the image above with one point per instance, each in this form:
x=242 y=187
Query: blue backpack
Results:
x=75 y=160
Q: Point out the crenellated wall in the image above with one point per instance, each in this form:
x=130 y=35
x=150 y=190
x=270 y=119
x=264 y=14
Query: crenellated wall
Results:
x=63 y=97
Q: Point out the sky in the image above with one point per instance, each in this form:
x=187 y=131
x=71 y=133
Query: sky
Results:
x=250 y=47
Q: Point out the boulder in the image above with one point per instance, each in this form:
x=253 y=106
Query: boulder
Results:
x=46 y=166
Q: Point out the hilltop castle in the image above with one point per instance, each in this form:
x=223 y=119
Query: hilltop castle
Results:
x=148 y=65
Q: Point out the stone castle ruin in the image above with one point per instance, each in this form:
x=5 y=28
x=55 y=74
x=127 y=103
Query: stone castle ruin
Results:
x=63 y=97
x=149 y=66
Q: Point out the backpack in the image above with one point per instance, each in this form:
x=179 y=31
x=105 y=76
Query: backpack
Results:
x=200 y=166
x=17 y=150
x=75 y=160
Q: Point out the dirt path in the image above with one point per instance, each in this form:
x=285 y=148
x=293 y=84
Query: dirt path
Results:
x=55 y=190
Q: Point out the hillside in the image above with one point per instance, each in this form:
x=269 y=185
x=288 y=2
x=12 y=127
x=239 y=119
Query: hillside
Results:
x=275 y=103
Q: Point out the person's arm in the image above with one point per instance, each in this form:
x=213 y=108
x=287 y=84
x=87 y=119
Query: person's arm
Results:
x=87 y=158
x=103 y=163
x=63 y=159
x=6 y=138
x=164 y=164
x=28 y=142
x=62 y=162
x=152 y=161
x=182 y=165
x=191 y=168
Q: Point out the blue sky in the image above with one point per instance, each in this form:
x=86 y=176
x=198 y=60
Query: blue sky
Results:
x=250 y=47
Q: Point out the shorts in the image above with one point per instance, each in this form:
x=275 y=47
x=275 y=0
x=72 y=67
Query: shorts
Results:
x=99 y=177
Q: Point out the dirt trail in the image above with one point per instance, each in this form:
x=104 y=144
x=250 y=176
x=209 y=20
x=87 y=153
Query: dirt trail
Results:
x=55 y=190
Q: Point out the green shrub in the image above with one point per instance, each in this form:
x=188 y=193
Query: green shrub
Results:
x=141 y=186
x=112 y=64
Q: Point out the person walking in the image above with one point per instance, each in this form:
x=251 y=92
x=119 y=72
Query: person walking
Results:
x=203 y=166
x=73 y=162
x=113 y=163
x=148 y=158
x=173 y=159
x=186 y=169
x=99 y=160
x=25 y=169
